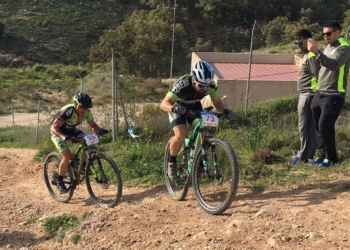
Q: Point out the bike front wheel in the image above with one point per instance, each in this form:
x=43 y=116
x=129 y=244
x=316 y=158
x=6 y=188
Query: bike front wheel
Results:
x=51 y=166
x=215 y=186
x=178 y=187
x=103 y=180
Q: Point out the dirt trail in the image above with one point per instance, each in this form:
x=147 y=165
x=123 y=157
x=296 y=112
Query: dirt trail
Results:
x=303 y=217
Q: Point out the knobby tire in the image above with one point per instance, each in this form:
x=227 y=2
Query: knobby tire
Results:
x=215 y=195
x=177 y=188
x=106 y=189
x=51 y=166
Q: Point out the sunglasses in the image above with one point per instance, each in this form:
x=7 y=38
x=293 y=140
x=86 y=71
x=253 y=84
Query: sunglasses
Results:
x=202 y=86
x=328 y=33
x=83 y=108
x=298 y=43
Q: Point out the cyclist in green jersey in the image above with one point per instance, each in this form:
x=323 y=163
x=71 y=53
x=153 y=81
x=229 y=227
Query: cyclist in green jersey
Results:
x=63 y=129
x=187 y=93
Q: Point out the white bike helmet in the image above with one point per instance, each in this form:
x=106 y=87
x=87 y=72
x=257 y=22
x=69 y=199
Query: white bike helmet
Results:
x=202 y=72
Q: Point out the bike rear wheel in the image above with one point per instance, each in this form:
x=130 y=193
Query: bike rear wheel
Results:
x=177 y=188
x=216 y=187
x=103 y=180
x=51 y=166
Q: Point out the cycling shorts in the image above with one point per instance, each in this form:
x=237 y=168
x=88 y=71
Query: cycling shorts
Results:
x=61 y=144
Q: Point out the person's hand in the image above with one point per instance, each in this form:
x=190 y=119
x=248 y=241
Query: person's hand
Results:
x=66 y=138
x=180 y=110
x=74 y=140
x=312 y=46
x=70 y=138
x=229 y=114
x=103 y=131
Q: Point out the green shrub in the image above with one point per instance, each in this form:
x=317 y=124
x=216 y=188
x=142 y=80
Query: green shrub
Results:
x=39 y=67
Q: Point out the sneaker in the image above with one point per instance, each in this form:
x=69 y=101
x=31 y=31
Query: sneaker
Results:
x=317 y=161
x=326 y=163
x=297 y=160
x=172 y=172
x=62 y=187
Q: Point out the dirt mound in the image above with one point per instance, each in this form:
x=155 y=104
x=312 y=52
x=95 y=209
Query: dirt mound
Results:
x=303 y=217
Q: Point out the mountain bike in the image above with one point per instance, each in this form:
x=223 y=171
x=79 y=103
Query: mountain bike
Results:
x=212 y=162
x=101 y=174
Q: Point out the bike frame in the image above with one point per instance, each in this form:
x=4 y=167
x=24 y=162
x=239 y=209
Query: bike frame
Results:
x=79 y=153
x=195 y=141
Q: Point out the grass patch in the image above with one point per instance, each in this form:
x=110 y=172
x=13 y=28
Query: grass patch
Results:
x=34 y=219
x=60 y=225
x=75 y=238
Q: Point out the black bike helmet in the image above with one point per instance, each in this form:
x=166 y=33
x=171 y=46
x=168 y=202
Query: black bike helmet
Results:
x=83 y=99
x=202 y=72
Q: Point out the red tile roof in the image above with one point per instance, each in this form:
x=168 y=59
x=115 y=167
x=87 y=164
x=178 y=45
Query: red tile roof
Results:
x=262 y=72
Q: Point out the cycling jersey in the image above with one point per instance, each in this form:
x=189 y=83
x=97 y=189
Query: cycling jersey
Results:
x=71 y=118
x=185 y=94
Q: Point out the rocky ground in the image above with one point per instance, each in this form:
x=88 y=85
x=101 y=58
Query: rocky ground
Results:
x=300 y=217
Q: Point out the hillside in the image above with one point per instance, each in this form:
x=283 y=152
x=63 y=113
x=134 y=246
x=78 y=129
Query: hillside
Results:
x=59 y=31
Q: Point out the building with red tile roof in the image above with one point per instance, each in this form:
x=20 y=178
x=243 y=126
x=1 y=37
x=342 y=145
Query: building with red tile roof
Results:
x=268 y=76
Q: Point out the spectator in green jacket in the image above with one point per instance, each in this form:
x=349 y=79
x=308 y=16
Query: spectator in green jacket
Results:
x=330 y=92
x=306 y=84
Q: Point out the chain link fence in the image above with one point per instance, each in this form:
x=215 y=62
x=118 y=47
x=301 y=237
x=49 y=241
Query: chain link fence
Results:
x=136 y=82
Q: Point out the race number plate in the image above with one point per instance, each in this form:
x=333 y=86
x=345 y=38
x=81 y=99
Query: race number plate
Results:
x=91 y=139
x=210 y=120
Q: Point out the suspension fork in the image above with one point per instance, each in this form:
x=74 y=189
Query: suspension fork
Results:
x=93 y=170
x=92 y=167
x=203 y=140
x=204 y=143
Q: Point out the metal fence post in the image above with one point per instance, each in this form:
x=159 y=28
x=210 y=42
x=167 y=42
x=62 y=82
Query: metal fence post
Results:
x=13 y=122
x=114 y=100
x=172 y=49
x=249 y=71
x=37 y=126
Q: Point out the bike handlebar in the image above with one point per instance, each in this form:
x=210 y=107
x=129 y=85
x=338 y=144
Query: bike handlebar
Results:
x=80 y=139
x=197 y=113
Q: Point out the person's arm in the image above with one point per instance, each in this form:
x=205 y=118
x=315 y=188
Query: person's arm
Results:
x=341 y=56
x=314 y=66
x=218 y=104
x=94 y=126
x=167 y=103
x=55 y=128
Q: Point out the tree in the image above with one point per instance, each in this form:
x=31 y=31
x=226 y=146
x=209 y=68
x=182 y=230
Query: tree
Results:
x=346 y=22
x=141 y=37
x=2 y=29
x=274 y=30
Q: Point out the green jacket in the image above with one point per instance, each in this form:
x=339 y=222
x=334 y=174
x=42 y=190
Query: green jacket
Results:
x=335 y=62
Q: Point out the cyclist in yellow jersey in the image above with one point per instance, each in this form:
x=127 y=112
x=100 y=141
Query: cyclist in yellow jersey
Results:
x=63 y=129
